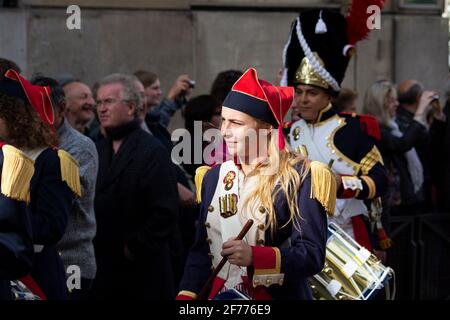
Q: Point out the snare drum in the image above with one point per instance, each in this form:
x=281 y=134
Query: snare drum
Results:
x=351 y=272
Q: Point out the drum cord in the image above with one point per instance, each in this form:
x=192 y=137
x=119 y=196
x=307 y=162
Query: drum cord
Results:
x=387 y=291
x=389 y=295
x=394 y=285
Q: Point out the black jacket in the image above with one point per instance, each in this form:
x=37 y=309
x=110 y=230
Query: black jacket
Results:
x=183 y=239
x=136 y=206
x=302 y=259
x=440 y=157
x=16 y=245
x=51 y=202
x=393 y=150
x=428 y=148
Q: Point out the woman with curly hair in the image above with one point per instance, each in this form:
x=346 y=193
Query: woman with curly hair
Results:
x=16 y=246
x=26 y=118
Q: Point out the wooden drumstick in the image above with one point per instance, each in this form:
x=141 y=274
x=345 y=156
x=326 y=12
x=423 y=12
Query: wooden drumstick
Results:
x=330 y=163
x=222 y=262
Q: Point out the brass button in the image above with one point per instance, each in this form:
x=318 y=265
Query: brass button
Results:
x=280 y=282
x=262 y=209
x=207 y=224
x=210 y=208
x=269 y=281
x=296 y=133
x=328 y=271
x=261 y=226
x=255 y=282
x=260 y=242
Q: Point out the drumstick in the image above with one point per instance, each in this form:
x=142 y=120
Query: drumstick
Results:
x=330 y=163
x=219 y=267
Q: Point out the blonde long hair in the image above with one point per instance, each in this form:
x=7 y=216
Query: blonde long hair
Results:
x=286 y=176
x=375 y=100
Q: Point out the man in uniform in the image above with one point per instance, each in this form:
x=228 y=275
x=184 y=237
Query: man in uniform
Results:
x=315 y=59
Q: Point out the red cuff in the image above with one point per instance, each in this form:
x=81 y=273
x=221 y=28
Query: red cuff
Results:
x=346 y=193
x=266 y=260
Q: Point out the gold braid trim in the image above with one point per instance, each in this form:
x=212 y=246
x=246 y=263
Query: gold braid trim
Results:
x=371 y=185
x=17 y=171
x=188 y=293
x=276 y=269
x=199 y=175
x=323 y=186
x=70 y=172
x=371 y=159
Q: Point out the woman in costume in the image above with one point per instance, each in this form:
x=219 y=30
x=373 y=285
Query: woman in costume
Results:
x=27 y=118
x=286 y=196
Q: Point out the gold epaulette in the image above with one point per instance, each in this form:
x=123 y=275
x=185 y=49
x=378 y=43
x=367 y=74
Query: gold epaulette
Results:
x=189 y=294
x=17 y=171
x=199 y=174
x=70 y=172
x=323 y=186
x=370 y=160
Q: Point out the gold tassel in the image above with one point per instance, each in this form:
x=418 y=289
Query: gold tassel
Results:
x=199 y=174
x=386 y=244
x=323 y=186
x=70 y=171
x=17 y=171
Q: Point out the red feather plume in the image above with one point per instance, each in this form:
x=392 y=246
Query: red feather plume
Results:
x=357 y=19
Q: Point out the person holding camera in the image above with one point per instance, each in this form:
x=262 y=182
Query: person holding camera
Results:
x=417 y=104
x=405 y=170
x=162 y=111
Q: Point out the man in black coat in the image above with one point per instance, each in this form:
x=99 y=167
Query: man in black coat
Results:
x=136 y=201
x=429 y=146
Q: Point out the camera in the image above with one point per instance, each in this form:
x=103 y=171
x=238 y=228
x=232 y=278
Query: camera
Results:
x=191 y=84
x=435 y=98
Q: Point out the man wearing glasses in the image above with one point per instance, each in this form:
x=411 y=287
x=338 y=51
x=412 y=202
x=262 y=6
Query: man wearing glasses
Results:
x=136 y=200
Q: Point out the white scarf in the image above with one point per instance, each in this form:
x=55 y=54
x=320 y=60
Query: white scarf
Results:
x=414 y=165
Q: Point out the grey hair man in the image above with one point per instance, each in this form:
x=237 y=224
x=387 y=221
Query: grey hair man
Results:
x=136 y=201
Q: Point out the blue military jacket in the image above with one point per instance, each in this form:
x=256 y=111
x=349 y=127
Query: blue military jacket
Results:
x=16 y=245
x=302 y=258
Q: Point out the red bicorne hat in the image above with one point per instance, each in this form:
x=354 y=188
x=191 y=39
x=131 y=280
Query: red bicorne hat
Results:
x=261 y=100
x=38 y=97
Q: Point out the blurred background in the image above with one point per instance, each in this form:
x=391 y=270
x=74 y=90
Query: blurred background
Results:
x=204 y=37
